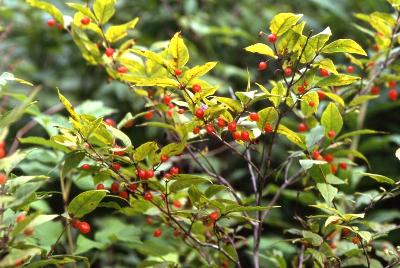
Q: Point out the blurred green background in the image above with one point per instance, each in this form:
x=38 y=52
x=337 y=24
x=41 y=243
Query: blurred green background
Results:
x=215 y=30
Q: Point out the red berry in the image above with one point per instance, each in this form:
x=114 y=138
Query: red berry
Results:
x=321 y=95
x=181 y=111
x=18 y=263
x=84 y=227
x=3 y=178
x=245 y=136
x=21 y=217
x=149 y=174
x=301 y=89
x=350 y=69
x=149 y=220
x=109 y=52
x=100 y=186
x=375 y=90
x=75 y=223
x=375 y=47
x=123 y=194
x=237 y=135
x=167 y=99
x=316 y=155
x=122 y=69
x=2 y=153
x=254 y=116
x=214 y=216
x=174 y=170
x=110 y=122
x=141 y=174
x=196 y=88
x=157 y=232
x=148 y=196
x=328 y=158
x=356 y=240
x=133 y=187
x=323 y=72
x=232 y=126
x=28 y=231
x=302 y=127
x=199 y=113
x=392 y=94
x=178 y=72
x=114 y=187
x=221 y=122
x=51 y=22
x=149 y=115
x=333 y=245
x=2 y=144
x=196 y=130
x=331 y=134
x=343 y=166
x=262 y=65
x=333 y=169
x=268 y=128
x=177 y=232
x=167 y=176
x=288 y=71
x=177 y=204
x=116 y=166
x=392 y=84
x=346 y=232
x=311 y=104
x=164 y=158
x=85 y=166
x=210 y=129
x=85 y=20
x=272 y=38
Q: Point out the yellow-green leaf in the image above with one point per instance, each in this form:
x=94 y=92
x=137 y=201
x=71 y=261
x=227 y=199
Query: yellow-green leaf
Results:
x=198 y=71
x=104 y=10
x=306 y=109
x=331 y=119
x=49 y=8
x=337 y=80
x=291 y=136
x=262 y=49
x=267 y=115
x=117 y=32
x=282 y=22
x=68 y=106
x=326 y=64
x=345 y=46
x=379 y=178
x=85 y=202
x=178 y=50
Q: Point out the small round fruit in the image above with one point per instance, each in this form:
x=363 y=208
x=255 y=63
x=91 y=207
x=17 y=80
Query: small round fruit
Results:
x=214 y=216
x=174 y=170
x=133 y=187
x=333 y=169
x=148 y=196
x=331 y=134
x=84 y=227
x=221 y=122
x=85 y=20
x=157 y=232
x=85 y=166
x=149 y=115
x=350 y=69
x=254 y=117
x=272 y=38
x=141 y=174
x=149 y=220
x=167 y=99
x=356 y=240
x=392 y=84
x=288 y=71
x=199 y=113
x=237 y=135
x=2 y=153
x=316 y=155
x=177 y=232
x=343 y=166
x=232 y=126
x=301 y=89
x=122 y=69
x=177 y=204
x=28 y=231
x=51 y=22
x=268 y=128
x=3 y=178
x=321 y=95
x=178 y=72
x=262 y=66
x=323 y=72
x=123 y=194
x=21 y=217
x=100 y=186
x=375 y=90
x=116 y=166
x=196 y=130
x=311 y=104
x=75 y=223
x=210 y=129
x=114 y=187
x=149 y=173
x=333 y=245
x=346 y=232
x=245 y=136
x=196 y=88
x=164 y=158
x=393 y=95
x=109 y=52
x=111 y=122
x=302 y=127
x=328 y=158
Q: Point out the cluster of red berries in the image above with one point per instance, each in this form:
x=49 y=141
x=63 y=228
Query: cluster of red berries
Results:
x=3 y=151
x=392 y=93
x=82 y=226
x=52 y=22
x=172 y=171
x=28 y=231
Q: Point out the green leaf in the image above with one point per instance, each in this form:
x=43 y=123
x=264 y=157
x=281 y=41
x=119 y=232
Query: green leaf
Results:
x=145 y=150
x=278 y=92
x=267 y=115
x=326 y=64
x=117 y=32
x=308 y=163
x=49 y=8
x=83 y=9
x=262 y=49
x=336 y=98
x=43 y=142
x=159 y=124
x=359 y=132
x=68 y=106
x=118 y=134
x=379 y=178
x=315 y=239
x=72 y=160
x=213 y=190
x=318 y=41
x=327 y=191
x=344 y=45
x=172 y=149
x=85 y=203
x=52 y=261
x=237 y=208
x=337 y=80
x=183 y=181
x=291 y=136
x=306 y=109
x=198 y=71
x=104 y=10
x=362 y=99
x=179 y=52
x=331 y=119
x=282 y=22
x=232 y=104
